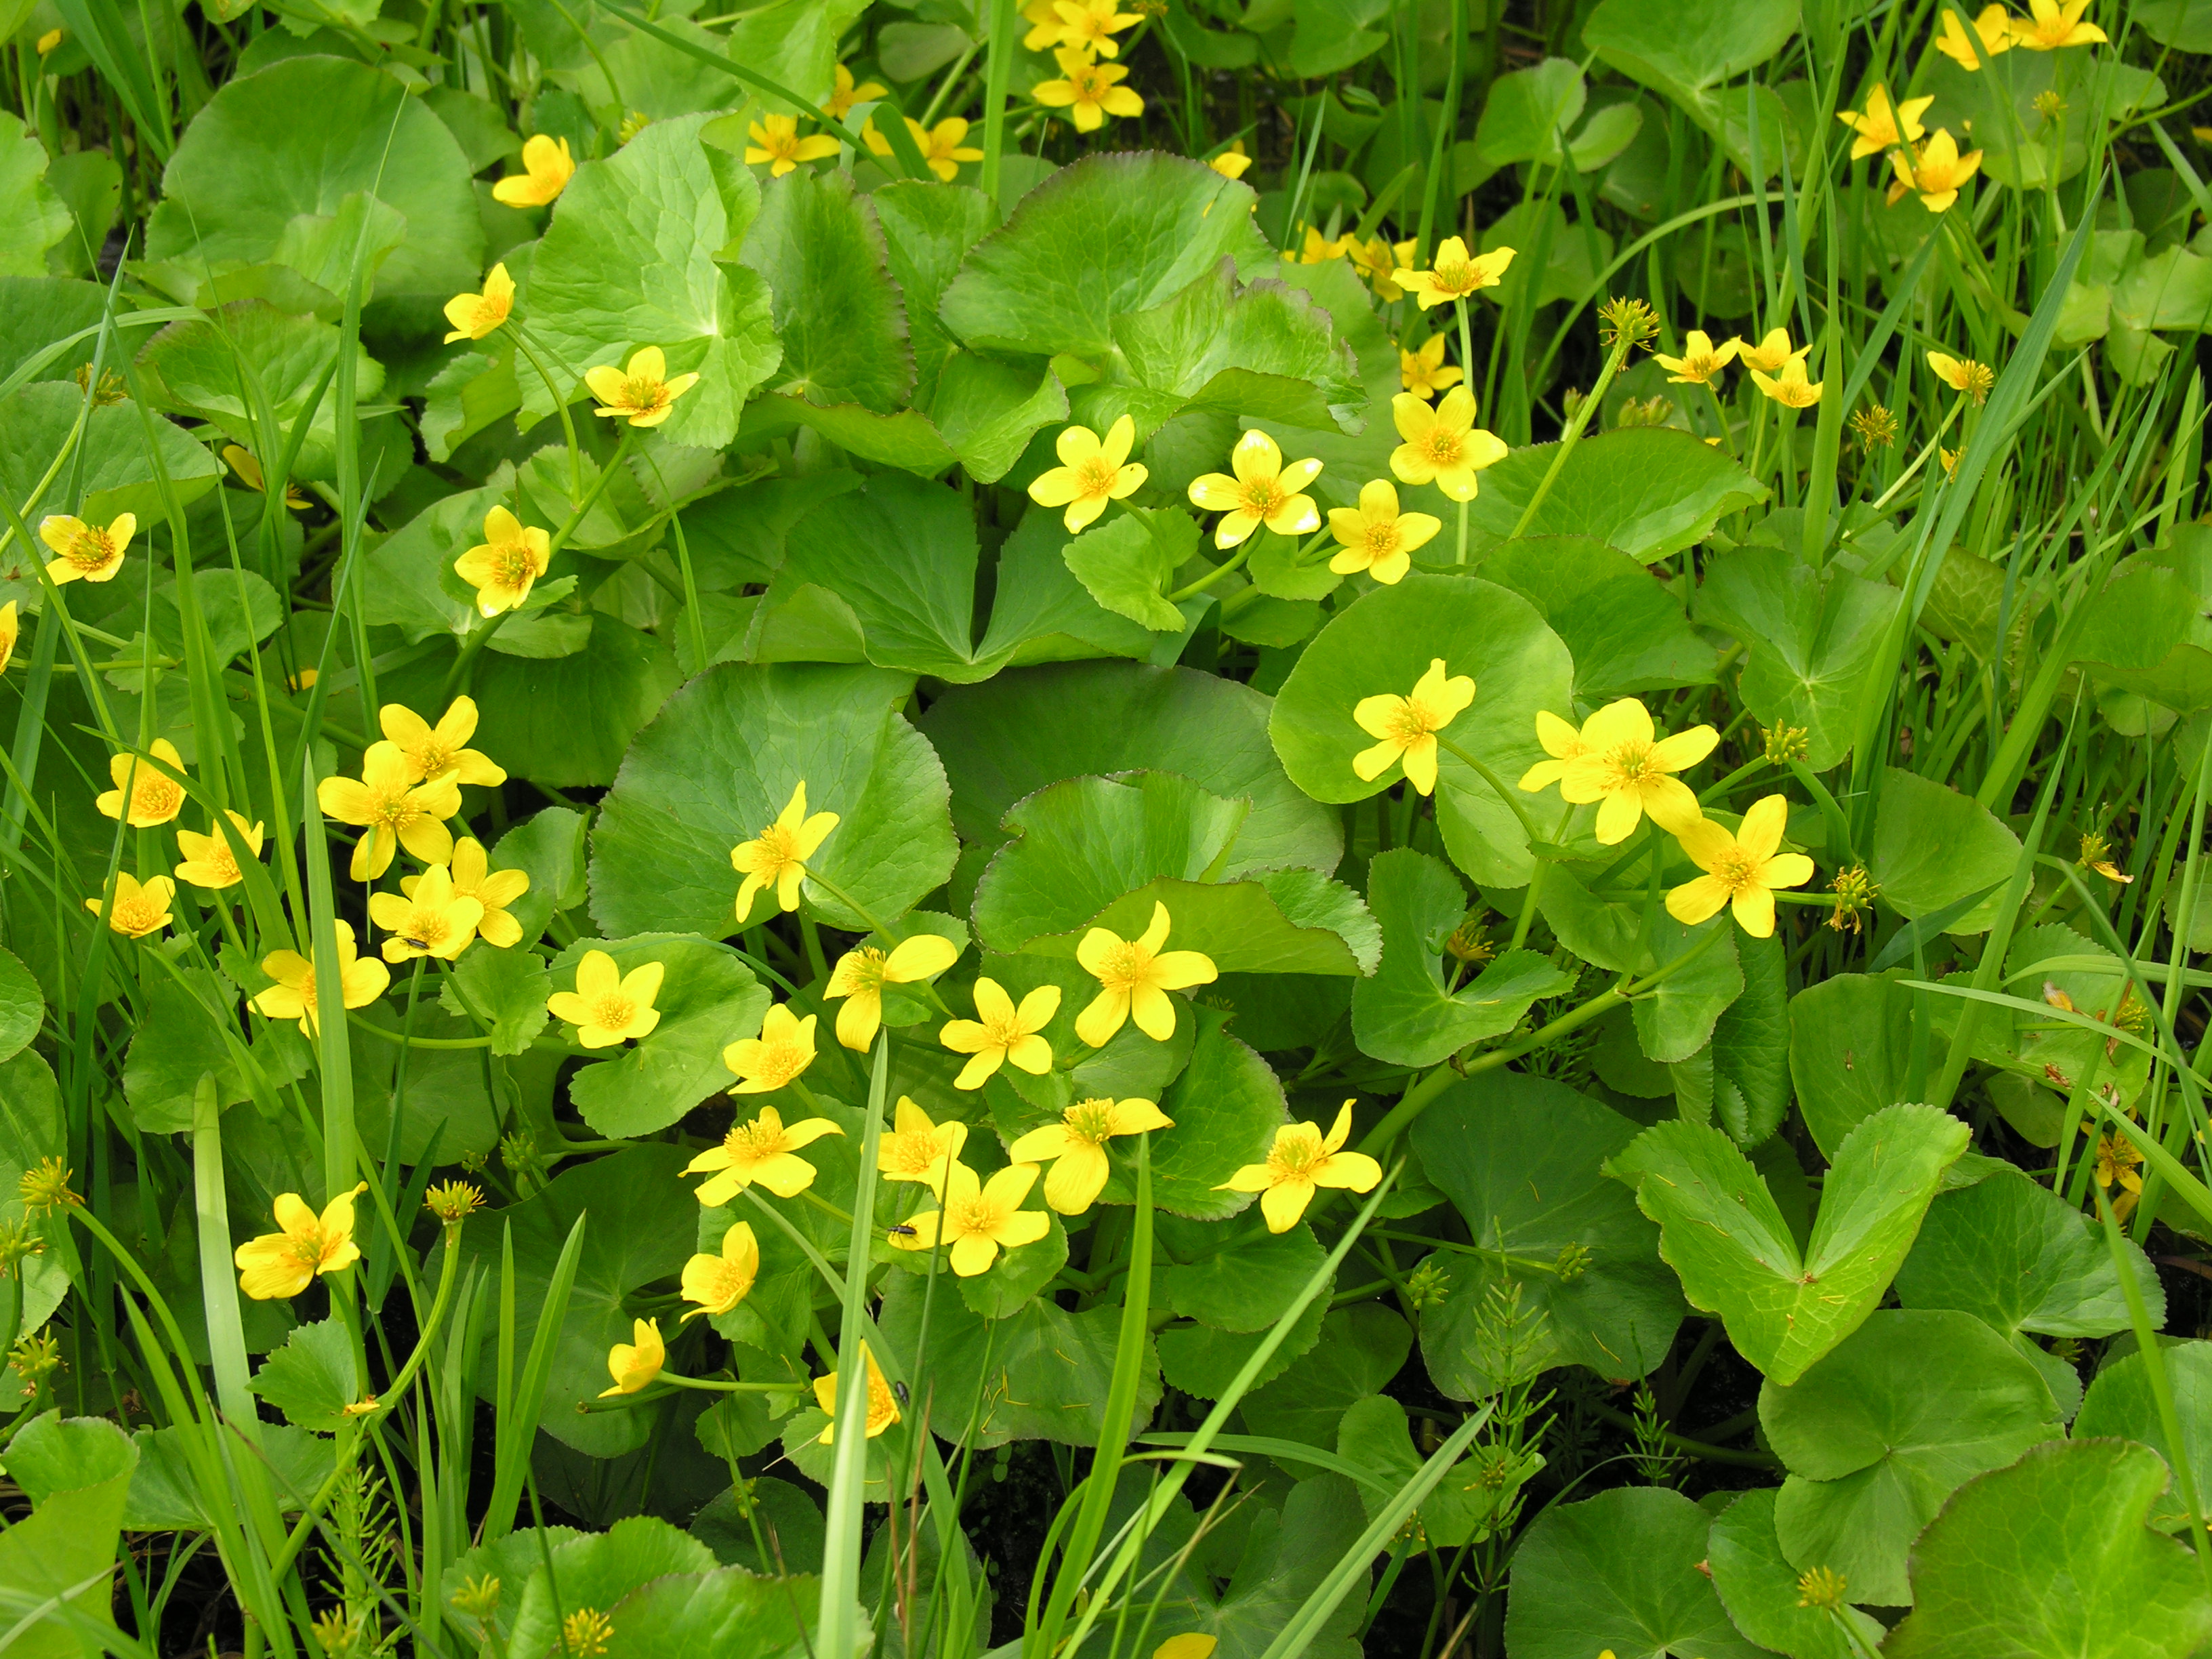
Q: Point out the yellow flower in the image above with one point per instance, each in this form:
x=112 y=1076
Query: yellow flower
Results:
x=1937 y=172
x=441 y=751
x=845 y=95
x=430 y=920
x=1992 y=32
x=1789 y=388
x=156 y=797
x=1262 y=491
x=1376 y=537
x=1443 y=446
x=635 y=1364
x=1043 y=18
x=210 y=862
x=361 y=982
x=10 y=631
x=1741 y=870
x=475 y=315
x=1377 y=261
x=240 y=461
x=1771 y=355
x=977 y=1220
x=48 y=42
x=761 y=1151
x=1088 y=25
x=1300 y=1161
x=608 y=1006
x=1950 y=459
x=1562 y=742
x=140 y=908
x=1002 y=1034
x=777 y=856
x=396 y=807
x=883 y=1404
x=1090 y=88
x=1091 y=473
x=502 y=566
x=1409 y=725
x=473 y=877
x=1424 y=373
x=775 y=140
x=718 y=1283
x=547 y=168
x=2052 y=25
x=1232 y=163
x=642 y=394
x=1882 y=128
x=2118 y=1160
x=88 y=552
x=279 y=1265
x=1318 y=249
x=1625 y=766
x=784 y=1049
x=1701 y=361
x=1134 y=977
x=919 y=1150
x=1455 y=274
x=1963 y=374
x=860 y=975
x=940 y=147
x=1076 y=1146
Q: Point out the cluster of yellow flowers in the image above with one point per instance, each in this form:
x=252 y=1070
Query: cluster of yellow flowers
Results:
x=2049 y=26
x=1079 y=33
x=1777 y=369
x=1935 y=169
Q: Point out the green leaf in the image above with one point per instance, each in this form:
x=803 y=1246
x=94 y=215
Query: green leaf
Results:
x=1933 y=847
x=1681 y=1016
x=36 y=312
x=785 y=1513
x=1851 y=1041
x=179 y=1042
x=202 y=367
x=1813 y=639
x=2049 y=1560
x=22 y=1010
x=907 y=440
x=1521 y=1159
x=1758 y=1587
x=312 y=1379
x=275 y=151
x=1404 y=1016
x=549 y=847
x=446 y=1096
x=732 y=1612
x=794 y=43
x=1110 y=236
x=1751 y=1045
x=630 y=260
x=1128 y=565
x=1286 y=921
x=1009 y=738
x=2120 y=1403
x=64 y=1550
x=566 y=721
x=1625 y=632
x=1226 y=1106
x=1648 y=491
x=600 y=1569
x=1720 y=1229
x=928 y=228
x=1619 y=1572
x=1882 y=1430
x=721 y=761
x=1688 y=48
x=988 y=410
x=838 y=313
x=708 y=1000
x=51 y=1454
x=1202 y=1361
x=32 y=1130
x=1362 y=1348
x=1041 y=612
x=505 y=988
x=2185 y=25
x=1236 y=1276
x=1384 y=642
x=119 y=469
x=36 y=218
x=1527 y=113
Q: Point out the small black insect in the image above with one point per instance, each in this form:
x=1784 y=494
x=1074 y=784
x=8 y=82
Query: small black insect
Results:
x=416 y=944
x=899 y=1388
x=900 y=1230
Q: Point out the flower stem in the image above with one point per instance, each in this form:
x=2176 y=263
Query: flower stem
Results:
x=1573 y=435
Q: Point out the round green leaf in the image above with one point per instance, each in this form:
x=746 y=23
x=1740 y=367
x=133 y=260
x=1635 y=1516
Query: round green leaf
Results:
x=311 y=1379
x=1758 y=1587
x=119 y=472
x=721 y=761
x=22 y=1008
x=820 y=250
x=1362 y=1348
x=1226 y=1107
x=598 y=1571
x=708 y=1000
x=2121 y=1403
x=1648 y=491
x=1234 y=1276
x=1627 y=632
x=1933 y=847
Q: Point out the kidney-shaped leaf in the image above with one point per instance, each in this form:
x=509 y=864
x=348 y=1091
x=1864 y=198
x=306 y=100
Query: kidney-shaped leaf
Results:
x=2121 y=1403
x=708 y=1000
x=1933 y=847
x=1647 y=490
x=1627 y=631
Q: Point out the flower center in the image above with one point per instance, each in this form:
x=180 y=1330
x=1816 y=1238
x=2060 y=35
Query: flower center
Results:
x=915 y=1156
x=138 y=916
x=975 y=1215
x=780 y=1062
x=156 y=794
x=1452 y=278
x=732 y=1281
x=1003 y=1033
x=1294 y=1157
x=91 y=549
x=1262 y=496
x=1412 y=721
x=1736 y=872
x=779 y=848
x=1443 y=448
x=1382 y=540
x=425 y=927
x=1630 y=762
x=1091 y=1121
x=642 y=394
x=614 y=1011
x=1094 y=476
x=395 y=810
x=308 y=1249
x=1125 y=966
x=512 y=565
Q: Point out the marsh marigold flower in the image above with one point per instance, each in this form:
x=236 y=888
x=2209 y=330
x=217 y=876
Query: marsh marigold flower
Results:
x=278 y=1266
x=1742 y=870
x=430 y=920
x=1259 y=488
x=156 y=797
x=1562 y=741
x=1408 y=725
x=210 y=862
x=1088 y=25
x=475 y=315
x=1317 y=249
x=1001 y=1033
x=718 y=1283
x=441 y=751
x=783 y=1050
x=844 y=95
x=1134 y=976
x=1076 y=1147
x=1937 y=172
x=140 y=908
x=1882 y=127
x=941 y=148
x=1231 y=163
x=1771 y=354
x=1455 y=274
x=1377 y=261
x=241 y=461
x=503 y=566
x=12 y=630
x=634 y=1365
x=860 y=975
x=1701 y=361
x=883 y=1404
x=1424 y=373
x=919 y=1150
x=1991 y=37
x=1789 y=388
x=1302 y=1161
x=361 y=982
x=88 y=552
x=775 y=140
x=608 y=1006
x=762 y=1152
x=1090 y=92
x=1092 y=471
x=494 y=890
x=978 y=1218
x=1963 y=374
x=777 y=856
x=642 y=393
x=1377 y=537
x=1619 y=761
x=547 y=166
x=396 y=807
x=1442 y=446
x=2050 y=25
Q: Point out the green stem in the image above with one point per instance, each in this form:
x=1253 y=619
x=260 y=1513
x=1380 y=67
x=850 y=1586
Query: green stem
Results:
x=1591 y=404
